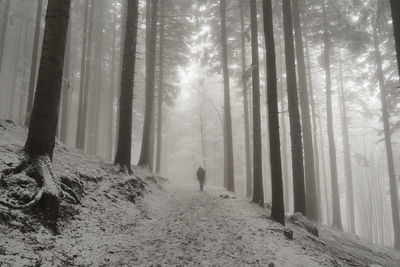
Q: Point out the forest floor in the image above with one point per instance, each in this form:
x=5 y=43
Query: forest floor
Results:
x=121 y=224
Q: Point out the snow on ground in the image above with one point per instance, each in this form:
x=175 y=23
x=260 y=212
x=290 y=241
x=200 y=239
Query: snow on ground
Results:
x=170 y=225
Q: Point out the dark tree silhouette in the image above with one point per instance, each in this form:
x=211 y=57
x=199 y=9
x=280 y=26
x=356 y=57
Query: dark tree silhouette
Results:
x=278 y=209
x=245 y=100
x=309 y=167
x=146 y=154
x=228 y=143
x=160 y=89
x=294 y=114
x=40 y=143
x=258 y=192
x=336 y=215
x=123 y=154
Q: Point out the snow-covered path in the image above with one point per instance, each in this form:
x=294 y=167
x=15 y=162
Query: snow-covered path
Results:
x=192 y=228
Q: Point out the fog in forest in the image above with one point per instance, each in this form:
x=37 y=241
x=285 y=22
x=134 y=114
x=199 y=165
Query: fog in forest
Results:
x=292 y=104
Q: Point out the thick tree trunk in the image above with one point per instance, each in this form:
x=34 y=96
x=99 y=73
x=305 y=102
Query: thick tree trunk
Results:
x=85 y=78
x=160 y=89
x=34 y=62
x=123 y=154
x=146 y=154
x=229 y=168
x=388 y=141
x=346 y=151
x=278 y=209
x=249 y=178
x=395 y=6
x=258 y=190
x=337 y=219
x=43 y=124
x=294 y=114
x=309 y=167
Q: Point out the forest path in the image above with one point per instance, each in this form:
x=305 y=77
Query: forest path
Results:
x=187 y=227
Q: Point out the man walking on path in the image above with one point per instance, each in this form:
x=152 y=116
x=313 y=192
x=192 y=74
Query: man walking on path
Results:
x=201 y=176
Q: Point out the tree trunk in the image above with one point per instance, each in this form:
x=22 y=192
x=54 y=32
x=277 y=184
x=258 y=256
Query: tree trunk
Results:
x=85 y=78
x=3 y=30
x=43 y=124
x=34 y=62
x=395 y=6
x=249 y=178
x=294 y=114
x=278 y=209
x=145 y=159
x=123 y=154
x=314 y=129
x=346 y=151
x=337 y=220
x=389 y=152
x=160 y=89
x=65 y=90
x=229 y=168
x=111 y=139
x=258 y=190
x=309 y=167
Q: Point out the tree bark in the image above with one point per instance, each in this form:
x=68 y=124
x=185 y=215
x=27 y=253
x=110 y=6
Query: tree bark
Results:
x=42 y=130
x=395 y=7
x=258 y=190
x=160 y=89
x=388 y=141
x=229 y=167
x=346 y=150
x=309 y=167
x=123 y=154
x=34 y=62
x=249 y=178
x=278 y=209
x=294 y=114
x=65 y=90
x=146 y=154
x=336 y=214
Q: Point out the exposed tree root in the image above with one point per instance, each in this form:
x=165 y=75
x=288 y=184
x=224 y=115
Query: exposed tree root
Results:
x=125 y=169
x=52 y=190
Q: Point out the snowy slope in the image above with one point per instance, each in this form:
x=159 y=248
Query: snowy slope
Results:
x=169 y=225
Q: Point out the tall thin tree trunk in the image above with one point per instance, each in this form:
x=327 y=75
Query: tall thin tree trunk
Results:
x=309 y=167
x=294 y=113
x=123 y=154
x=258 y=191
x=65 y=90
x=388 y=141
x=337 y=219
x=160 y=88
x=346 y=150
x=3 y=31
x=146 y=154
x=395 y=6
x=278 y=209
x=249 y=177
x=79 y=141
x=229 y=167
x=314 y=128
x=111 y=139
x=34 y=62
